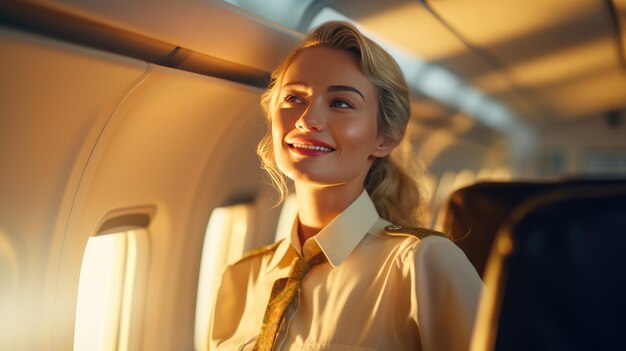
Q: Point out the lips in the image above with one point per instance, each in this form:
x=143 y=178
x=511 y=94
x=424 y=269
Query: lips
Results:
x=309 y=147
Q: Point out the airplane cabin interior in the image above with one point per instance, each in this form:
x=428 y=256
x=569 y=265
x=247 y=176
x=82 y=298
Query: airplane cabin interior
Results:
x=128 y=135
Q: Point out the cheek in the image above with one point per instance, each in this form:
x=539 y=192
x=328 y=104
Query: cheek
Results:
x=276 y=132
x=279 y=131
x=281 y=120
x=278 y=128
x=277 y=140
x=359 y=133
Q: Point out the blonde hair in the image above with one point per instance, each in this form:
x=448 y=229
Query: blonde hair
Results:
x=395 y=193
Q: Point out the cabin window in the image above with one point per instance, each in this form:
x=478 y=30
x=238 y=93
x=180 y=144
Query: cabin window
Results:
x=105 y=290
x=224 y=243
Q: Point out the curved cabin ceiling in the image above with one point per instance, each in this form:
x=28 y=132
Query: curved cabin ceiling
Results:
x=568 y=60
x=545 y=61
x=483 y=71
x=506 y=65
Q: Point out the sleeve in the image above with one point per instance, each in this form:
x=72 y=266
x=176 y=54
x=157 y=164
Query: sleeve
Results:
x=448 y=289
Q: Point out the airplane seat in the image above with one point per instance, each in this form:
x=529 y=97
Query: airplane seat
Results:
x=556 y=275
x=474 y=213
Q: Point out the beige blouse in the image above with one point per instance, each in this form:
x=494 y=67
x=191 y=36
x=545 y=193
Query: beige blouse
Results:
x=378 y=291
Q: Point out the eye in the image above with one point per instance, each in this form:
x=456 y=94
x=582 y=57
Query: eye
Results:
x=340 y=104
x=293 y=98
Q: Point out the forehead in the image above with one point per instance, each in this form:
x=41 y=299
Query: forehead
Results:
x=323 y=67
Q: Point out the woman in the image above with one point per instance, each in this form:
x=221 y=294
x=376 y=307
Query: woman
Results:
x=354 y=274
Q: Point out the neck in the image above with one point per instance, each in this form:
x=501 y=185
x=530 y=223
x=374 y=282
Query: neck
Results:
x=318 y=206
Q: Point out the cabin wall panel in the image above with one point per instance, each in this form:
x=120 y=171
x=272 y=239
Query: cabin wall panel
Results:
x=184 y=144
x=54 y=101
x=85 y=132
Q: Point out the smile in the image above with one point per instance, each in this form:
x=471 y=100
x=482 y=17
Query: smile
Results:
x=311 y=147
x=309 y=150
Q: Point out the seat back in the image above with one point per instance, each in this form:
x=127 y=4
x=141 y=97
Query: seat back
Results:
x=556 y=274
x=474 y=214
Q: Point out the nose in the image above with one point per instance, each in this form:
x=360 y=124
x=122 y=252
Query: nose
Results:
x=312 y=119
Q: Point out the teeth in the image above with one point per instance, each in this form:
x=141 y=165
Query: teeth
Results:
x=312 y=147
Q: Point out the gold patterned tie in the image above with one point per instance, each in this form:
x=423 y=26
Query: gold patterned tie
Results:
x=283 y=292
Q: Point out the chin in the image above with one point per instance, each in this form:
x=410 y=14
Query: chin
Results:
x=322 y=174
x=322 y=179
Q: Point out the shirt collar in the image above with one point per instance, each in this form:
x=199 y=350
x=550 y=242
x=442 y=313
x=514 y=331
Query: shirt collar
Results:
x=338 y=239
x=287 y=250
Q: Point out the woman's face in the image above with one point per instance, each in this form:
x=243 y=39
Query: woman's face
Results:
x=324 y=123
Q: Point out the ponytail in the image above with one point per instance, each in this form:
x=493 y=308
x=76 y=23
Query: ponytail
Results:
x=396 y=194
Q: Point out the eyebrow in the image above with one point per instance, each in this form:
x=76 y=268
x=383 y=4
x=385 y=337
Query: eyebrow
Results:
x=330 y=89
x=344 y=88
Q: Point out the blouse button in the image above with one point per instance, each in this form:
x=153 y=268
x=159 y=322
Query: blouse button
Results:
x=393 y=227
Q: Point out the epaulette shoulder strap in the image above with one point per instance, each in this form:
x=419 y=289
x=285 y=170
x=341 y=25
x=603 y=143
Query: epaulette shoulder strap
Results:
x=259 y=251
x=400 y=230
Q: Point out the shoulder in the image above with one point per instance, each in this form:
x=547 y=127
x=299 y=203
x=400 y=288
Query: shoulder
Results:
x=424 y=247
x=384 y=229
x=257 y=254
x=400 y=239
x=406 y=231
x=442 y=258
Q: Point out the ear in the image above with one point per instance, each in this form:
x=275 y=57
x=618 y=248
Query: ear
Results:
x=384 y=146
